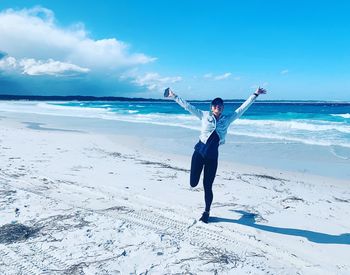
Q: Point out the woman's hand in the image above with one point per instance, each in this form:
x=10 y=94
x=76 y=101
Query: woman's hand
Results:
x=260 y=91
x=169 y=93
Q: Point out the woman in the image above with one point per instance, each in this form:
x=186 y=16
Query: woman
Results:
x=213 y=133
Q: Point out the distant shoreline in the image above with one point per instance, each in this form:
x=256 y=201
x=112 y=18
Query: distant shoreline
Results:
x=113 y=98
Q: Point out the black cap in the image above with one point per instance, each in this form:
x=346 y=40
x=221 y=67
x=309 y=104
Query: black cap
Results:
x=217 y=101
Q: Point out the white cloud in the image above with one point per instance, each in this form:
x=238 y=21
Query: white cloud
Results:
x=208 y=75
x=217 y=77
x=8 y=63
x=33 y=33
x=50 y=67
x=223 y=76
x=285 y=71
x=153 y=81
x=30 y=66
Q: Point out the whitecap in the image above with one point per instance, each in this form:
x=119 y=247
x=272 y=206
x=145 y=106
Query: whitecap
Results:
x=347 y=115
x=290 y=125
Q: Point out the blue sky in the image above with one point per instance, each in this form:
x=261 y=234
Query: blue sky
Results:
x=203 y=49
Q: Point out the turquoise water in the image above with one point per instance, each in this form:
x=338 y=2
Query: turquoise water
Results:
x=318 y=123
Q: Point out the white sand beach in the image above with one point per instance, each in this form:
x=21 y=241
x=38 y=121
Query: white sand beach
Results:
x=77 y=201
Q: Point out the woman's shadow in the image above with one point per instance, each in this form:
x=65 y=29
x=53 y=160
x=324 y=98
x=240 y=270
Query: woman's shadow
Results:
x=248 y=219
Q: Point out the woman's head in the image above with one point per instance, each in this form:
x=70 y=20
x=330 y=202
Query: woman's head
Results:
x=217 y=106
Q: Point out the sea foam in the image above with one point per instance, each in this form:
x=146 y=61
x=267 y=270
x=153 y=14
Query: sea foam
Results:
x=282 y=129
x=342 y=115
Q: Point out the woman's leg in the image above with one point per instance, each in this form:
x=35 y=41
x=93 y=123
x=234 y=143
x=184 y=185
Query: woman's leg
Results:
x=210 y=168
x=196 y=168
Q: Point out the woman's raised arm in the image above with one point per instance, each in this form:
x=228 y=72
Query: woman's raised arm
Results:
x=241 y=109
x=183 y=103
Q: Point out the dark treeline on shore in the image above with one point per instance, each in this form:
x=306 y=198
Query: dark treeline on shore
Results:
x=74 y=97
x=114 y=98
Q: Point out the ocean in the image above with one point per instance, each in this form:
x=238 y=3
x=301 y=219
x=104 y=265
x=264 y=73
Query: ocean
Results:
x=317 y=123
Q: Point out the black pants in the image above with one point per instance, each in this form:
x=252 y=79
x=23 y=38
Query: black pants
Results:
x=210 y=167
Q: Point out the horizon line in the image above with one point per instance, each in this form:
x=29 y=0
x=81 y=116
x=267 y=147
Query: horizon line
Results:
x=121 y=98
